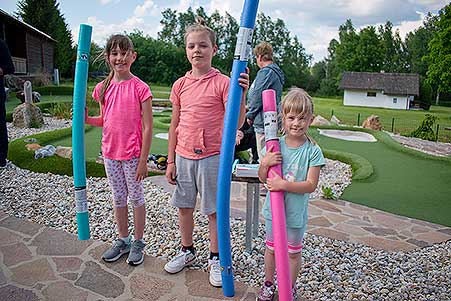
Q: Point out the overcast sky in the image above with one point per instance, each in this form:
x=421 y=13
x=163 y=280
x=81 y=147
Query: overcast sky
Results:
x=314 y=22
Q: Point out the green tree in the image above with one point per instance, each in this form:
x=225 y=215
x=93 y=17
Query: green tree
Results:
x=368 y=53
x=439 y=58
x=394 y=54
x=45 y=15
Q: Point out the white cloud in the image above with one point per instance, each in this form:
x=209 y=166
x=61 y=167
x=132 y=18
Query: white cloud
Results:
x=148 y=8
x=104 y=2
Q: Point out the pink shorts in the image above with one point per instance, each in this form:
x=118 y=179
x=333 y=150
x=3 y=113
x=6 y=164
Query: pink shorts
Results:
x=294 y=237
x=121 y=178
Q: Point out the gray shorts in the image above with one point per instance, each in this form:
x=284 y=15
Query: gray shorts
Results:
x=195 y=176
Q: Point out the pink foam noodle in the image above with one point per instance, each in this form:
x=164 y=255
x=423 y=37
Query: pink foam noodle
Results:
x=277 y=199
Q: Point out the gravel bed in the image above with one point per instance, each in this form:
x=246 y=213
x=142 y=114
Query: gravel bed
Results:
x=333 y=270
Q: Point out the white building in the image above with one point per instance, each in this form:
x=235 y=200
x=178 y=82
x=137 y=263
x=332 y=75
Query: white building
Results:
x=382 y=90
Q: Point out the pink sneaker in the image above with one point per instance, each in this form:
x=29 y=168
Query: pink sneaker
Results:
x=267 y=291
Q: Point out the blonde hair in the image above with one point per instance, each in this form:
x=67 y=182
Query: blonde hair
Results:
x=125 y=44
x=201 y=25
x=265 y=50
x=298 y=102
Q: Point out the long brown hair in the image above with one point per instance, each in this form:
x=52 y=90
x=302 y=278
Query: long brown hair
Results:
x=125 y=44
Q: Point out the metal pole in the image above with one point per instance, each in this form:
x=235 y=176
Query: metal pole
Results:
x=358 y=119
x=436 y=133
x=392 y=124
x=243 y=50
x=78 y=131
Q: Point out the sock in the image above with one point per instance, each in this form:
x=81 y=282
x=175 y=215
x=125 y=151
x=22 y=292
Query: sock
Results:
x=126 y=239
x=213 y=255
x=188 y=248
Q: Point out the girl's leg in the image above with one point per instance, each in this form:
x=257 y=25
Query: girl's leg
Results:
x=295 y=266
x=117 y=182
x=139 y=219
x=121 y=215
x=186 y=225
x=270 y=265
x=212 y=224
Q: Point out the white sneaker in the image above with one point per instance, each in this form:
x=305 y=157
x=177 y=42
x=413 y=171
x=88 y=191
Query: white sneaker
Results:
x=180 y=261
x=215 y=272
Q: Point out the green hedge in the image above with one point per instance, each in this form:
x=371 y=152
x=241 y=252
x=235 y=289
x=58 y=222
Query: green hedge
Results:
x=55 y=90
x=23 y=158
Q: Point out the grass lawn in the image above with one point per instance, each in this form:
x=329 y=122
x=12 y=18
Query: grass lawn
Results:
x=402 y=182
x=404 y=121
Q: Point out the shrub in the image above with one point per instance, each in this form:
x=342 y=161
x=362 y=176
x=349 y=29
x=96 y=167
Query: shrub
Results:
x=425 y=131
x=328 y=193
x=61 y=110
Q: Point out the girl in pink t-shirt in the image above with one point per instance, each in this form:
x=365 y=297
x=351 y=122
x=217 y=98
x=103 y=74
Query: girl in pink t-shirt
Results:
x=126 y=120
x=198 y=107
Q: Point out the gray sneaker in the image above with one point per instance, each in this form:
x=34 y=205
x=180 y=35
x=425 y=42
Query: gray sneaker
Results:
x=136 y=255
x=180 y=261
x=118 y=249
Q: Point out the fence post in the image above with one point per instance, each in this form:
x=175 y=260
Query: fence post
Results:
x=392 y=124
x=358 y=119
x=332 y=114
x=436 y=133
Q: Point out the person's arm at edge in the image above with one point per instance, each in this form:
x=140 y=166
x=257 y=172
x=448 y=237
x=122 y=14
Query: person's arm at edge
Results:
x=6 y=63
x=244 y=83
x=147 y=130
x=172 y=142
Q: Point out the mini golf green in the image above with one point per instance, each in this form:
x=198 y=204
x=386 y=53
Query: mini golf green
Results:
x=403 y=182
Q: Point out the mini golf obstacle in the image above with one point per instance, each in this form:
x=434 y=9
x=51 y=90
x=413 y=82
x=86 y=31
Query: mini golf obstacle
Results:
x=243 y=50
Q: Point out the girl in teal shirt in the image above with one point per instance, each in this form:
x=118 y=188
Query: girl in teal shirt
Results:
x=301 y=160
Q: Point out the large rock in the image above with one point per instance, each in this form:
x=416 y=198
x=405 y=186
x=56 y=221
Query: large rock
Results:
x=320 y=120
x=64 y=152
x=372 y=122
x=335 y=120
x=27 y=115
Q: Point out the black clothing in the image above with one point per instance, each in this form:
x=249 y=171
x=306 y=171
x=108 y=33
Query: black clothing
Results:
x=7 y=66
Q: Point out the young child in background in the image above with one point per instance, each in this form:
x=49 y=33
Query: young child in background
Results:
x=198 y=107
x=126 y=120
x=301 y=159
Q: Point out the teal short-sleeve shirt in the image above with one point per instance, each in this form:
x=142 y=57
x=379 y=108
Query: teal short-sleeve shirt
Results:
x=295 y=165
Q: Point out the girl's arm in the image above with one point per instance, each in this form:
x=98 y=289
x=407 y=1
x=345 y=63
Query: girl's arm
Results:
x=307 y=186
x=171 y=172
x=244 y=83
x=94 y=121
x=270 y=159
x=147 y=121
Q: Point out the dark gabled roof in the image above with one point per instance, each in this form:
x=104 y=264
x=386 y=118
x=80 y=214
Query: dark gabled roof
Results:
x=390 y=83
x=22 y=23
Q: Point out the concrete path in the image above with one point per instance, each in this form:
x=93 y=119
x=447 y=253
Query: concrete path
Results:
x=38 y=263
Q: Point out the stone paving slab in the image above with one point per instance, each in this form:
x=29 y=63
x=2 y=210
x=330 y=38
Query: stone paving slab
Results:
x=38 y=263
x=346 y=221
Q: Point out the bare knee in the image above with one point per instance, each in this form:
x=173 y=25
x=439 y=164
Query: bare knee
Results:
x=294 y=256
x=186 y=212
x=212 y=217
x=270 y=251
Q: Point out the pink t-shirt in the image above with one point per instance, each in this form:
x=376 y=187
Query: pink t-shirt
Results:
x=202 y=108
x=122 y=117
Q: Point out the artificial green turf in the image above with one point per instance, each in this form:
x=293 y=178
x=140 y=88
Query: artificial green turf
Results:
x=403 y=181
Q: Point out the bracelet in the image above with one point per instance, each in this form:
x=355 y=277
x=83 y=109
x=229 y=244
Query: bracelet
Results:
x=167 y=163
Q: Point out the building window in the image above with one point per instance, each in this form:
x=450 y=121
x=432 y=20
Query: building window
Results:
x=370 y=94
x=395 y=100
